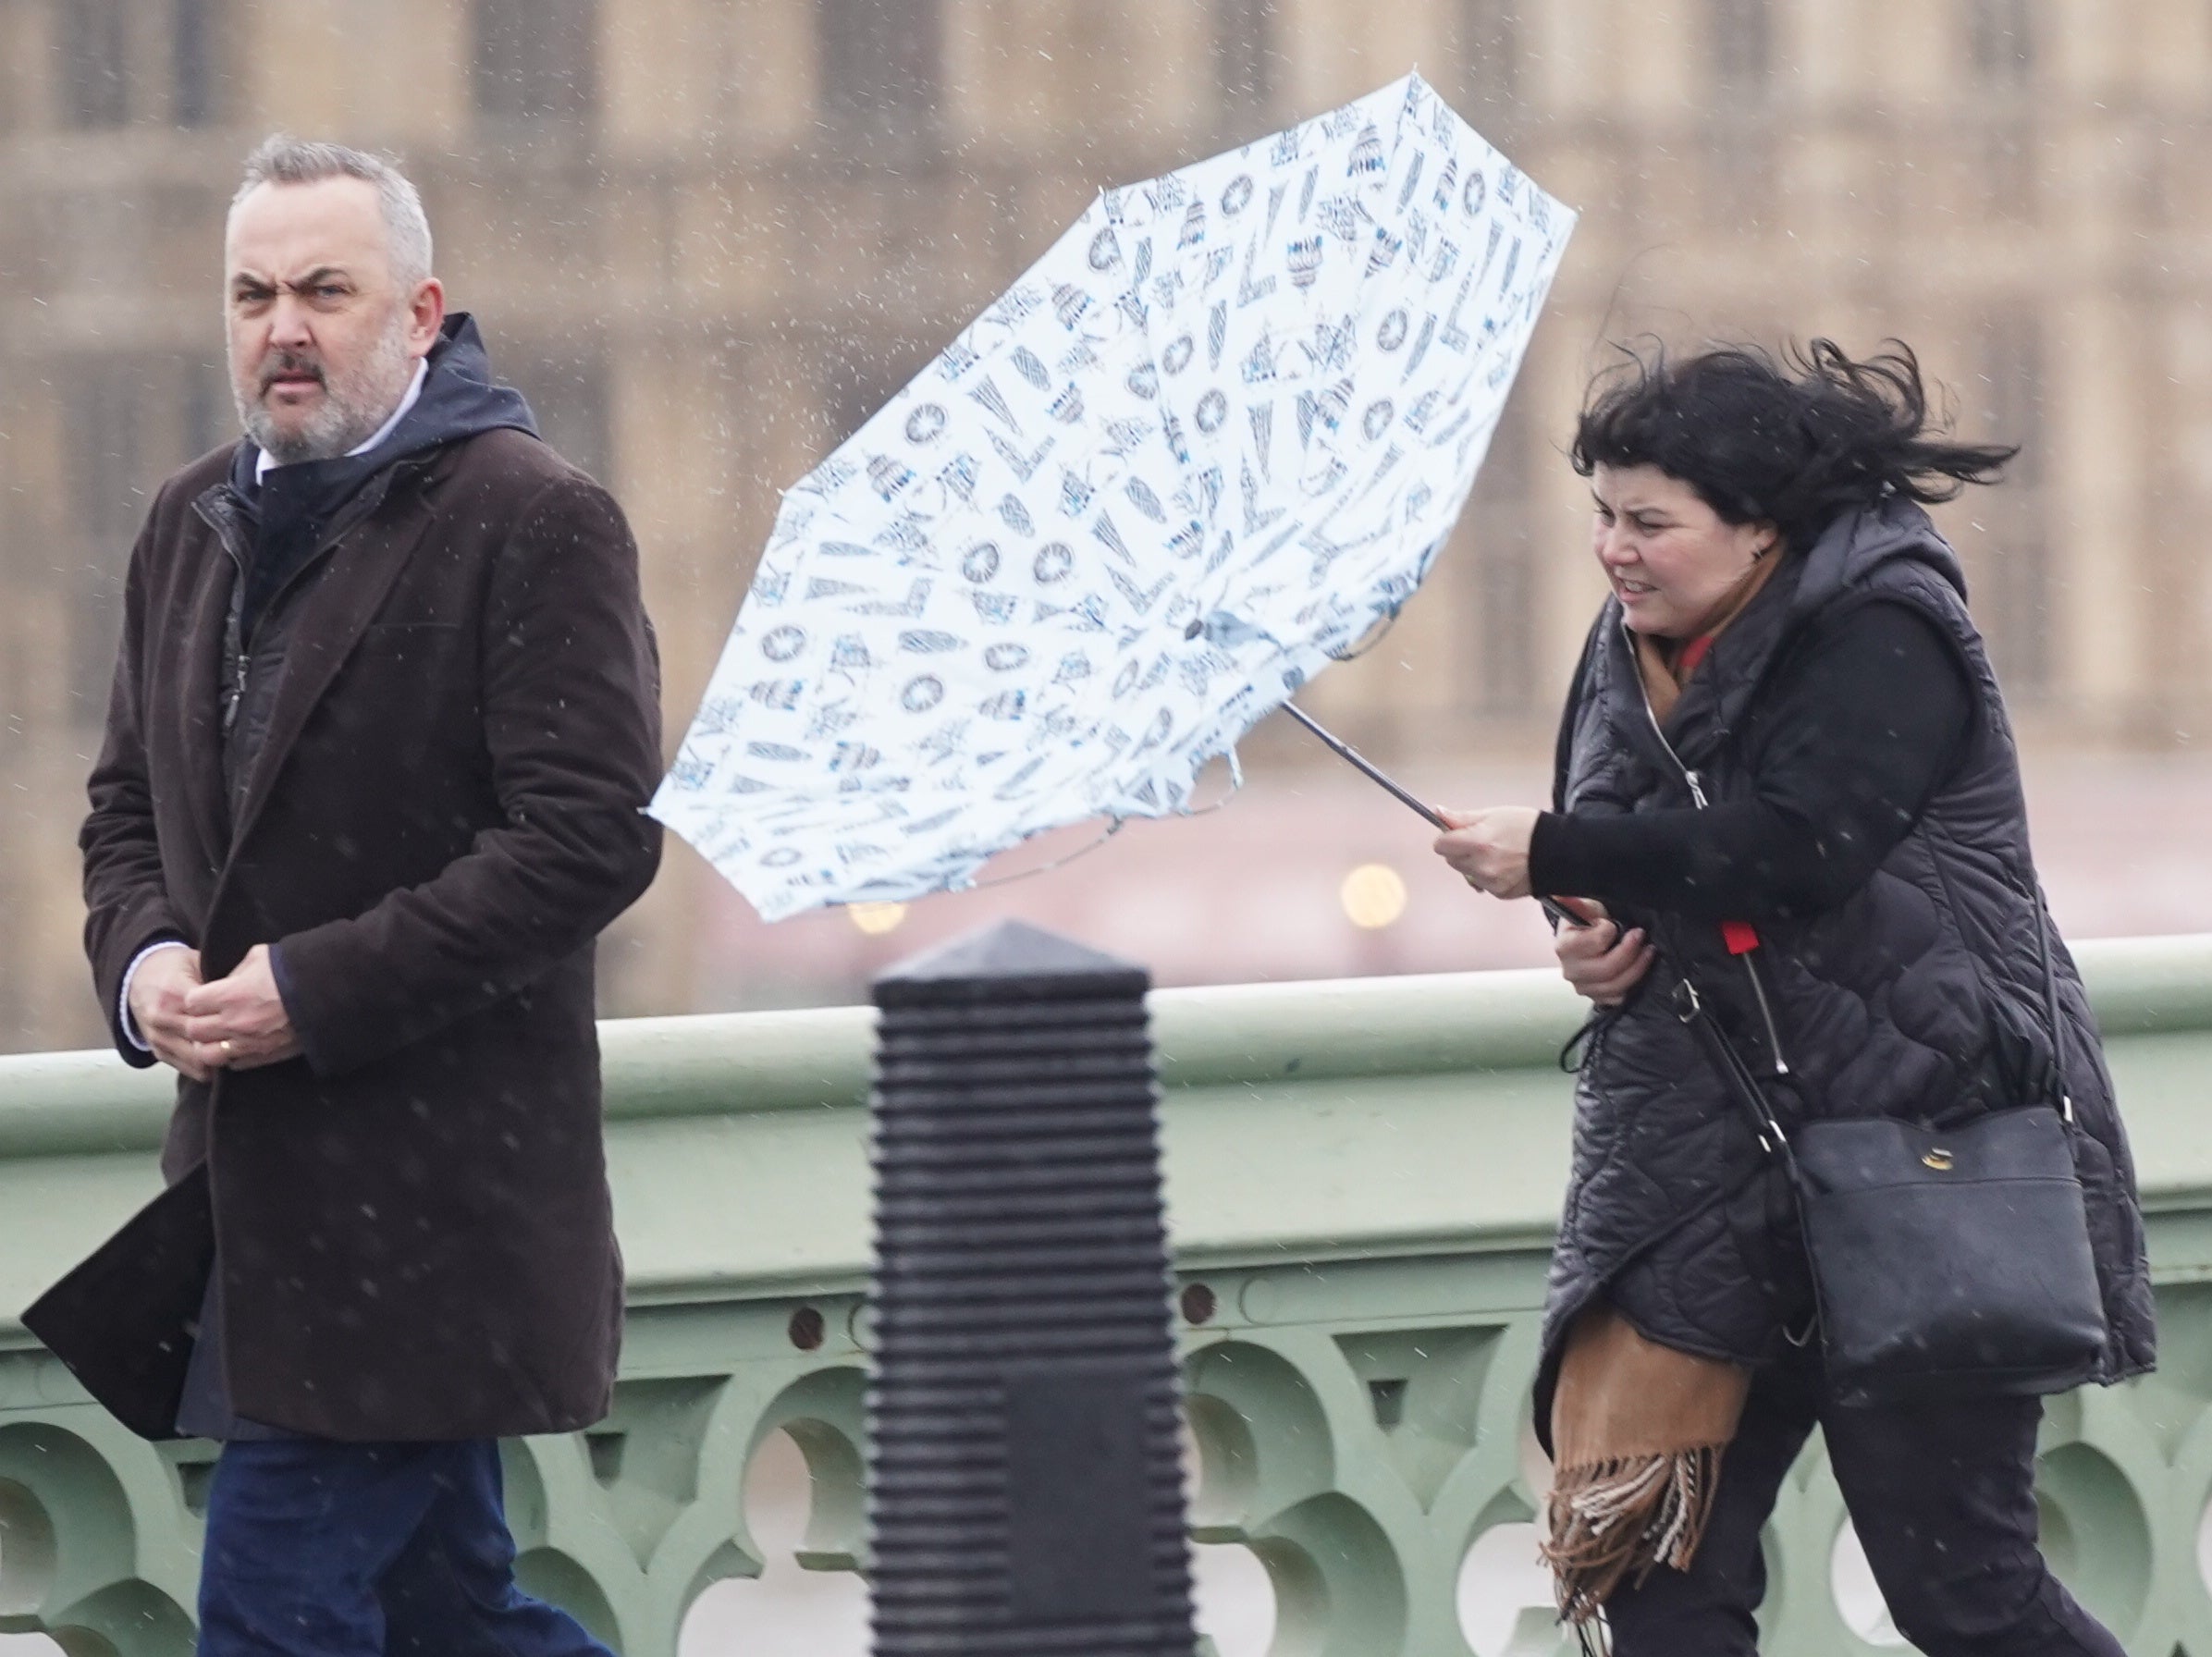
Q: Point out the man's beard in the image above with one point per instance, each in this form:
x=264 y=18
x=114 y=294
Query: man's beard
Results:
x=354 y=403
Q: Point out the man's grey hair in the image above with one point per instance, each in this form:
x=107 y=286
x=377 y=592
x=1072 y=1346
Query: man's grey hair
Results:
x=282 y=159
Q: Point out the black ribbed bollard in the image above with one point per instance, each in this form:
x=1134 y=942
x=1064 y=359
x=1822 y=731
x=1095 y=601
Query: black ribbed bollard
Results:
x=1025 y=1486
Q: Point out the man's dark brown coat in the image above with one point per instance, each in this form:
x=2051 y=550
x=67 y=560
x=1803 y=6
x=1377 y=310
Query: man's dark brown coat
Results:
x=412 y=1221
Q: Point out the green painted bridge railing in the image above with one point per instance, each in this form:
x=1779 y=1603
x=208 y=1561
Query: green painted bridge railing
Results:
x=1362 y=1179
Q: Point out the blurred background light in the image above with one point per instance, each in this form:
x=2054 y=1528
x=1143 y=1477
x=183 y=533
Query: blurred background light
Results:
x=1373 y=896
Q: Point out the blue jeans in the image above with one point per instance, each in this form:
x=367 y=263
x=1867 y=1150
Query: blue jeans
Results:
x=316 y=1549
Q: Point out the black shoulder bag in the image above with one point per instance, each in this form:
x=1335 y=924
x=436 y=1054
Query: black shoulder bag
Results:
x=1944 y=1260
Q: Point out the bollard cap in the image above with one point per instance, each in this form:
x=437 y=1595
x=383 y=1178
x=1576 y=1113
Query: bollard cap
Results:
x=1009 y=961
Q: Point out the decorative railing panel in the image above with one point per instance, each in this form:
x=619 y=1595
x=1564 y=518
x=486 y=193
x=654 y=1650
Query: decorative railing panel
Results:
x=1362 y=1178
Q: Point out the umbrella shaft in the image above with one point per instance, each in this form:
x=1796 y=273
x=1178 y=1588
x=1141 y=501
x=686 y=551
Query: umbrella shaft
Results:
x=1347 y=751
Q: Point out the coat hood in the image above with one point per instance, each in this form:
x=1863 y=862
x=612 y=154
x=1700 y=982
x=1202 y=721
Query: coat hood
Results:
x=1856 y=544
x=294 y=507
x=460 y=399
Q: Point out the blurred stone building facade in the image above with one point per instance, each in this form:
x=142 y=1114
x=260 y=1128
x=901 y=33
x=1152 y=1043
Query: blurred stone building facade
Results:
x=706 y=237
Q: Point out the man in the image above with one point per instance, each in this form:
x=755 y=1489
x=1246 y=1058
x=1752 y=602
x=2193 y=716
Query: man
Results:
x=384 y=720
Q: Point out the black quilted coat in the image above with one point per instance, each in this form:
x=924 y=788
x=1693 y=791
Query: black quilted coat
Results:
x=1920 y=996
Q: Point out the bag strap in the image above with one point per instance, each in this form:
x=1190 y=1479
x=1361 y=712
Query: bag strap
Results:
x=2050 y=996
x=1735 y=1075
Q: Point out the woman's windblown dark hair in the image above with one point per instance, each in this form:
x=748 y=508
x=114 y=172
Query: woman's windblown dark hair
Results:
x=1792 y=439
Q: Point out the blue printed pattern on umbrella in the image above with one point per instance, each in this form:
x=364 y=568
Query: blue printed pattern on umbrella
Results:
x=1212 y=437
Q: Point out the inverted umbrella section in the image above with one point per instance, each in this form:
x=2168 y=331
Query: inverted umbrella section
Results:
x=1211 y=439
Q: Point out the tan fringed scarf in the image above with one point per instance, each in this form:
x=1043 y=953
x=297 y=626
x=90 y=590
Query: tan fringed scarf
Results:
x=1638 y=1432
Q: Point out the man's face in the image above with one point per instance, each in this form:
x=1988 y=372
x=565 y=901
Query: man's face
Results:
x=322 y=340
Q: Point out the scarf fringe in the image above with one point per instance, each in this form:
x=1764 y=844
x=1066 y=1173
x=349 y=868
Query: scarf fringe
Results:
x=1611 y=1519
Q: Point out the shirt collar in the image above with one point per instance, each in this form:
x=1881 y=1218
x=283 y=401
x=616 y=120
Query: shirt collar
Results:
x=263 y=465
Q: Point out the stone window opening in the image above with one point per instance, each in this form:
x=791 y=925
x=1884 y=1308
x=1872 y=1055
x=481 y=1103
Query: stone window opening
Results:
x=535 y=61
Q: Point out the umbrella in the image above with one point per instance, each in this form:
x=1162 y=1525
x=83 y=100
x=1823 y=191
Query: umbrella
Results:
x=1212 y=438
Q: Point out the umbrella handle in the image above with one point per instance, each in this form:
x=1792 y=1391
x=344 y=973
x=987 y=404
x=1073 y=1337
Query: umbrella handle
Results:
x=1344 y=751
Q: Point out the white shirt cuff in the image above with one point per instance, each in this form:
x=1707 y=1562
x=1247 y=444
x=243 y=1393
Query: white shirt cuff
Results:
x=130 y=1029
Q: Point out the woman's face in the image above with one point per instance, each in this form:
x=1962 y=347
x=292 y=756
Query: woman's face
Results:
x=1674 y=562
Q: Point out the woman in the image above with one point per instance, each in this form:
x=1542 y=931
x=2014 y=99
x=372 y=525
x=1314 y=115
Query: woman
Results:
x=1786 y=774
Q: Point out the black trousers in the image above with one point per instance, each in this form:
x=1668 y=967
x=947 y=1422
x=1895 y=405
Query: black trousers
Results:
x=1942 y=1495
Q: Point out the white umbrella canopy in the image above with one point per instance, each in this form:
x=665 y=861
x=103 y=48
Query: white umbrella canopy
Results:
x=1211 y=440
